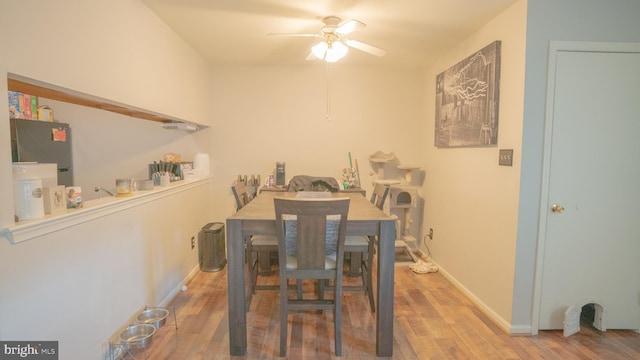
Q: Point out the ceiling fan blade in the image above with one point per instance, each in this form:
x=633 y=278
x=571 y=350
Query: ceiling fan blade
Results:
x=294 y=34
x=349 y=27
x=365 y=47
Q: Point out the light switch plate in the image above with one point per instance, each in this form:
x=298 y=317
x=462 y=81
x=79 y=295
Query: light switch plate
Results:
x=506 y=157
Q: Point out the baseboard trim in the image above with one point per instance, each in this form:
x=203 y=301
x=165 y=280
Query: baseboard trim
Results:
x=169 y=298
x=521 y=330
x=487 y=311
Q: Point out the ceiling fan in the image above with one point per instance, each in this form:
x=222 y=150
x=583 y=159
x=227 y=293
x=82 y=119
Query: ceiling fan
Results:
x=335 y=44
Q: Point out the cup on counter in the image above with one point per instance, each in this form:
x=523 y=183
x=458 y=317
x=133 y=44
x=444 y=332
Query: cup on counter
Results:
x=270 y=181
x=124 y=187
x=165 y=180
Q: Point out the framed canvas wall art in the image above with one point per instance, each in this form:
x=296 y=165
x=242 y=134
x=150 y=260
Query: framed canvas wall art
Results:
x=467 y=97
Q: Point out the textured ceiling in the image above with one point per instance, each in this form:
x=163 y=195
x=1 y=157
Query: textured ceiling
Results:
x=413 y=32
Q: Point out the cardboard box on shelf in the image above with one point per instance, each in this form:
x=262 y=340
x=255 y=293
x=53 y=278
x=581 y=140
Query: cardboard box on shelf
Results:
x=34 y=107
x=55 y=200
x=23 y=106
x=74 y=197
x=14 y=105
x=26 y=102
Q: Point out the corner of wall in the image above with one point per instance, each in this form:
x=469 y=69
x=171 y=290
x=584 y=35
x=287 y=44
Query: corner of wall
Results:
x=6 y=177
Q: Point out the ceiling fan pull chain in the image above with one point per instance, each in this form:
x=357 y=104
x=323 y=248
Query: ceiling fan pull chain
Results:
x=328 y=110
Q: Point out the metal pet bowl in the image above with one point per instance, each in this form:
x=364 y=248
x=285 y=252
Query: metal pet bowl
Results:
x=155 y=316
x=137 y=336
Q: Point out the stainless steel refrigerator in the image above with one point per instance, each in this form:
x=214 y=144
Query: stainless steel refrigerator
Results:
x=43 y=142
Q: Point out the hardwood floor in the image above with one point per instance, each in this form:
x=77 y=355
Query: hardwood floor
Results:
x=433 y=320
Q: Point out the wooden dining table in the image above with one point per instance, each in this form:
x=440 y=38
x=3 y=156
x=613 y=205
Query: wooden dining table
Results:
x=258 y=218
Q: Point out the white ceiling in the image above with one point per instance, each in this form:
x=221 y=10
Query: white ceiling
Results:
x=413 y=32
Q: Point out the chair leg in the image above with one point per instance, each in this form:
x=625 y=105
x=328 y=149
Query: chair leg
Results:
x=320 y=289
x=264 y=261
x=369 y=267
x=367 y=281
x=283 y=320
x=355 y=261
x=366 y=275
x=252 y=270
x=337 y=315
x=250 y=264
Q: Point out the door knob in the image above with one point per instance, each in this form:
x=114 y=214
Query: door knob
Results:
x=557 y=208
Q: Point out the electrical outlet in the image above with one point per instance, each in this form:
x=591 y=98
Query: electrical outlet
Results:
x=430 y=233
x=193 y=242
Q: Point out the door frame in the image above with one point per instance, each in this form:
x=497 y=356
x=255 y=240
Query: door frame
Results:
x=556 y=47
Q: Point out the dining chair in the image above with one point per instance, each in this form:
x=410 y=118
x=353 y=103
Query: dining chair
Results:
x=365 y=247
x=240 y=193
x=257 y=246
x=312 y=249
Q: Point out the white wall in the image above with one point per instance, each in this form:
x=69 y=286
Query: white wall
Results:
x=268 y=114
x=471 y=202
x=114 y=49
x=568 y=20
x=6 y=176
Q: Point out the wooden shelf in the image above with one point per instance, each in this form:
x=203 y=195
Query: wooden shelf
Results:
x=93 y=209
x=74 y=97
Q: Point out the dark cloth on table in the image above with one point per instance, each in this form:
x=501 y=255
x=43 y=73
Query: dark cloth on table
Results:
x=313 y=183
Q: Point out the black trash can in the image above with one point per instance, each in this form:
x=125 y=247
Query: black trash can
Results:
x=211 y=247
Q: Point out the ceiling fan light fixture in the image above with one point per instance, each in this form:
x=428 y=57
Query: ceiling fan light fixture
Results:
x=337 y=51
x=319 y=50
x=330 y=52
x=334 y=46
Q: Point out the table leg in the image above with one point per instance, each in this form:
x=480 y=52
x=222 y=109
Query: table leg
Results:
x=386 y=262
x=236 y=288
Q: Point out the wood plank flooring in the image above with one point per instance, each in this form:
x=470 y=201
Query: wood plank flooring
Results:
x=433 y=320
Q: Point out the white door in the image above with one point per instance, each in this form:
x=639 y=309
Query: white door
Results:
x=592 y=239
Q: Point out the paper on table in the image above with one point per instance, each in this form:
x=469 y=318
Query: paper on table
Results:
x=313 y=194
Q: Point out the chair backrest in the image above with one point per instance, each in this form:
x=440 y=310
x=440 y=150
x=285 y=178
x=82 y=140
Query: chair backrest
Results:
x=319 y=222
x=379 y=196
x=239 y=190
